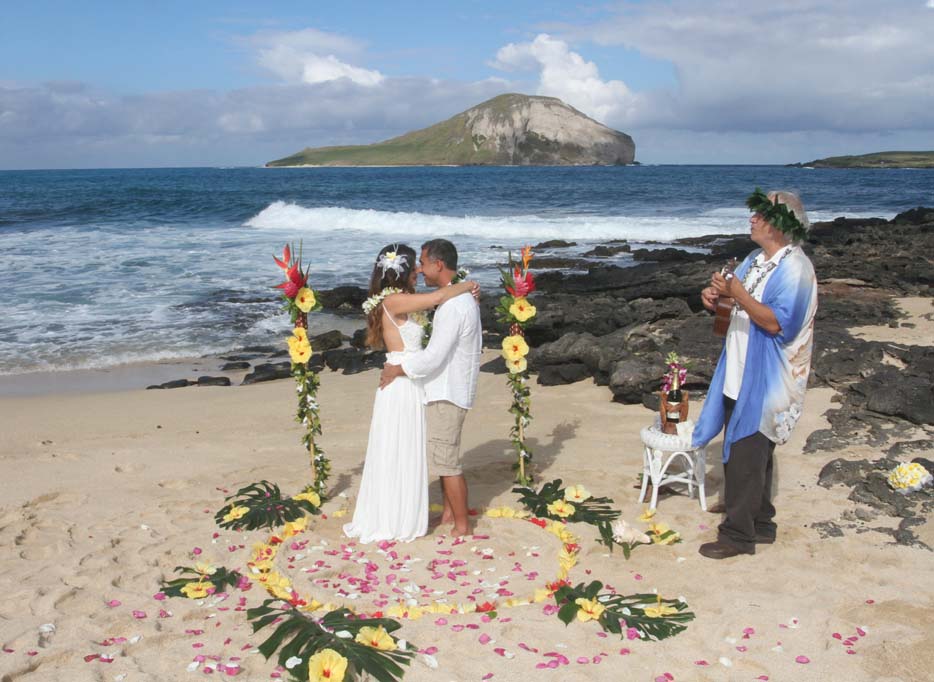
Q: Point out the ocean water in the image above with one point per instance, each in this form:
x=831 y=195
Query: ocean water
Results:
x=104 y=267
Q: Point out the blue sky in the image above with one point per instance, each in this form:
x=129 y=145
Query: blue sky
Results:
x=108 y=84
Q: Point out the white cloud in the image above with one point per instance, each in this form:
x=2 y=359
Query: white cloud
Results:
x=844 y=65
x=311 y=56
x=568 y=76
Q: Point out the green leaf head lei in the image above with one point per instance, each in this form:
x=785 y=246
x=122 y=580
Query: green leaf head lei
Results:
x=777 y=214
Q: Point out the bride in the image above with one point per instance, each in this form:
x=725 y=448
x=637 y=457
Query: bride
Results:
x=393 y=500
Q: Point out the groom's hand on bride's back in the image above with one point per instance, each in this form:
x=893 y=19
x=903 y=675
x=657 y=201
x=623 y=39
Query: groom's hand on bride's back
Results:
x=389 y=374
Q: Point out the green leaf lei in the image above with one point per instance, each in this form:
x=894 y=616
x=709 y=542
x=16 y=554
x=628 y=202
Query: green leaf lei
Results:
x=778 y=215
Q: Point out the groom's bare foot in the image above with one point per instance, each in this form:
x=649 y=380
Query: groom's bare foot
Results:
x=460 y=532
x=440 y=520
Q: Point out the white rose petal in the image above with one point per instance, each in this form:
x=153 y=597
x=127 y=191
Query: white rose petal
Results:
x=192 y=666
x=343 y=634
x=292 y=662
x=430 y=661
x=725 y=662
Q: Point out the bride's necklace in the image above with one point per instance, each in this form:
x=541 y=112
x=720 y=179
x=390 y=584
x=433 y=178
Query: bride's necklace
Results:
x=373 y=301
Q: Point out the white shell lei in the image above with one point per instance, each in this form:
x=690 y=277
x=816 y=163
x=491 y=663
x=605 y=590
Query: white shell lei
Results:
x=372 y=302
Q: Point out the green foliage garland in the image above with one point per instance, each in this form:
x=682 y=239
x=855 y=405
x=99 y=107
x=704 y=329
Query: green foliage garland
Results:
x=265 y=508
x=625 y=611
x=299 y=300
x=515 y=310
x=778 y=215
x=298 y=634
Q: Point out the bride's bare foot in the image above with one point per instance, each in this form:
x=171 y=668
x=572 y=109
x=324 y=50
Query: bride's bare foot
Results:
x=460 y=532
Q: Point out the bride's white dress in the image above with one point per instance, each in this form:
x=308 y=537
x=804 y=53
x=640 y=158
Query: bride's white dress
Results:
x=393 y=500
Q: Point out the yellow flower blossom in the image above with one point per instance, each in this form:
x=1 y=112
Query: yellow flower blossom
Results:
x=197 y=590
x=311 y=496
x=327 y=666
x=377 y=638
x=576 y=493
x=522 y=310
x=561 y=508
x=313 y=605
x=517 y=366
x=299 y=351
x=646 y=515
x=541 y=594
x=205 y=568
x=567 y=560
x=277 y=585
x=300 y=334
x=305 y=299
x=404 y=611
x=292 y=528
x=658 y=530
x=235 y=513
x=660 y=611
x=515 y=347
x=339 y=513
x=590 y=609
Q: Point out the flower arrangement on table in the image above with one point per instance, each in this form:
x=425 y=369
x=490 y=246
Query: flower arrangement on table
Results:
x=909 y=477
x=299 y=300
x=674 y=403
x=515 y=310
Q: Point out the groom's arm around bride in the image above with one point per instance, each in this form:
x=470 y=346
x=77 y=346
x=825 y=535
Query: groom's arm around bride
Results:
x=449 y=367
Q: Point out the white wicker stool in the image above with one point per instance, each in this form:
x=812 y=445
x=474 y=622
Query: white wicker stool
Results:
x=660 y=450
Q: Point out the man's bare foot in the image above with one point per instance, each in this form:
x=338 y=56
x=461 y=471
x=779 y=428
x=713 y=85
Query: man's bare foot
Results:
x=460 y=532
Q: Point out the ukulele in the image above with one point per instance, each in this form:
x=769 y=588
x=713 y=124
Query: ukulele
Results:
x=724 y=309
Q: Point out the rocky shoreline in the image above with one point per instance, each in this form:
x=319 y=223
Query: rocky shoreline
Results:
x=614 y=325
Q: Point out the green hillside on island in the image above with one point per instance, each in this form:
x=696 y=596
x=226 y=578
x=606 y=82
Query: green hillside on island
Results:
x=877 y=160
x=509 y=130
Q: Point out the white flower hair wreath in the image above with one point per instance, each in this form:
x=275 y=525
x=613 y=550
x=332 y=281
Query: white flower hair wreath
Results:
x=392 y=261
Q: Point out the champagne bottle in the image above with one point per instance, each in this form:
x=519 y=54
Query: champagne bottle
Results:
x=673 y=398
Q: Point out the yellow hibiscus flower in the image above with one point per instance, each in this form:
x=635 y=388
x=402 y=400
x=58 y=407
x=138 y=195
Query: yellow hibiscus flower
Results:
x=515 y=347
x=235 y=513
x=299 y=351
x=197 y=590
x=300 y=334
x=305 y=299
x=205 y=568
x=561 y=508
x=576 y=493
x=377 y=638
x=517 y=366
x=646 y=515
x=660 y=611
x=590 y=609
x=541 y=594
x=292 y=528
x=327 y=666
x=522 y=310
x=658 y=530
x=311 y=496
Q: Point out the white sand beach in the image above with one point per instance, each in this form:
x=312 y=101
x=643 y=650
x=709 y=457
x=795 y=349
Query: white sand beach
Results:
x=104 y=493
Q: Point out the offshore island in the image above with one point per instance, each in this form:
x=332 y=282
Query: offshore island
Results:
x=875 y=160
x=508 y=130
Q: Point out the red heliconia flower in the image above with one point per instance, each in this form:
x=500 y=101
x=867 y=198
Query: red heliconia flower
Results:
x=286 y=258
x=522 y=285
x=295 y=282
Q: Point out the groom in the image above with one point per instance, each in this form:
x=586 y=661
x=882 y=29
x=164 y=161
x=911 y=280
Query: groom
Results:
x=449 y=366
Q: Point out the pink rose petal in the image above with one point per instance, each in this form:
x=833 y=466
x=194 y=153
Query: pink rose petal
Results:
x=114 y=603
x=802 y=659
x=624 y=652
x=487 y=676
x=484 y=638
x=583 y=660
x=139 y=614
x=159 y=596
x=196 y=551
x=701 y=662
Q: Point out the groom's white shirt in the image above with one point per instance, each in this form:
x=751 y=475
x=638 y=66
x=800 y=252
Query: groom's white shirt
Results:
x=450 y=364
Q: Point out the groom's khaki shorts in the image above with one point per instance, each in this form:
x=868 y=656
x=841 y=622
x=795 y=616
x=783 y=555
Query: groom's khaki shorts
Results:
x=444 y=422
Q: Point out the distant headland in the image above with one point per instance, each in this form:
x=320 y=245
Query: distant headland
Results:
x=876 y=160
x=509 y=130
